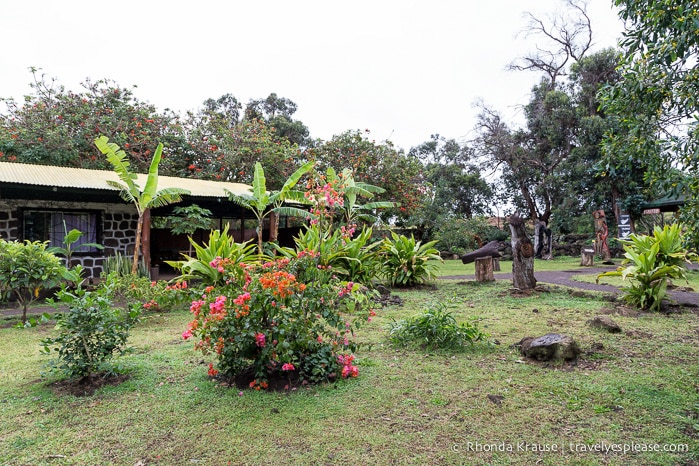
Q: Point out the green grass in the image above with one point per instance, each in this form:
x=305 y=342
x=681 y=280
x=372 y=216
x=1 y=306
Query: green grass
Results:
x=450 y=268
x=406 y=407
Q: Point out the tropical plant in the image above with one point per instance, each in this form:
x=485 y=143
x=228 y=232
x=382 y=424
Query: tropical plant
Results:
x=91 y=332
x=205 y=266
x=26 y=269
x=262 y=203
x=406 y=262
x=121 y=265
x=187 y=220
x=71 y=237
x=435 y=328
x=130 y=191
x=649 y=262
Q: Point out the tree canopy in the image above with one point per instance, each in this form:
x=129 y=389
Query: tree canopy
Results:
x=656 y=99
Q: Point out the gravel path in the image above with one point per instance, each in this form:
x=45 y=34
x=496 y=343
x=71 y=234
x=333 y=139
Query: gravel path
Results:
x=564 y=278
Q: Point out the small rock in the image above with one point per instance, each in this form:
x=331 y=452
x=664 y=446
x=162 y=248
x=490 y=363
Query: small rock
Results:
x=604 y=323
x=550 y=347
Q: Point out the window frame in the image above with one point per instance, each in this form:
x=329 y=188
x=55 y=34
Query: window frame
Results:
x=57 y=239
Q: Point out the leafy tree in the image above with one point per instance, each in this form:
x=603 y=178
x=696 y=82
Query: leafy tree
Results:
x=220 y=151
x=456 y=188
x=277 y=112
x=53 y=126
x=144 y=199
x=187 y=220
x=657 y=97
x=378 y=164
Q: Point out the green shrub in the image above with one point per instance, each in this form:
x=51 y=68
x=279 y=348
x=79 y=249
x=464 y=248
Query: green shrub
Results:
x=91 y=332
x=649 y=261
x=264 y=319
x=436 y=328
x=26 y=269
x=349 y=257
x=406 y=262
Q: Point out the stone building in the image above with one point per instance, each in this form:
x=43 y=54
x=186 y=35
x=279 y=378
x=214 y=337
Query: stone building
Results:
x=39 y=202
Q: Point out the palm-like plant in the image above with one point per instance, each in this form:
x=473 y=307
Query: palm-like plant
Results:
x=130 y=191
x=262 y=203
x=352 y=189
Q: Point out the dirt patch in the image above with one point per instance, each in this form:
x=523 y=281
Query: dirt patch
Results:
x=276 y=381
x=86 y=386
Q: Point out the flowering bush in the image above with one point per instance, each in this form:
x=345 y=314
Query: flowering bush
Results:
x=268 y=319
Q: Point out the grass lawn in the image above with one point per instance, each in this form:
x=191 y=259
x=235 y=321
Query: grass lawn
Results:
x=636 y=390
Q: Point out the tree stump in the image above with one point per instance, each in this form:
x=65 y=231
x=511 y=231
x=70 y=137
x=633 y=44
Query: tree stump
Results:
x=588 y=258
x=496 y=264
x=484 y=269
x=522 y=255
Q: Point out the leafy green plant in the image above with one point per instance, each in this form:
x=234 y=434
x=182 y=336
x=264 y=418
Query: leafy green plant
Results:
x=130 y=191
x=406 y=262
x=649 y=262
x=221 y=245
x=121 y=265
x=71 y=237
x=91 y=332
x=436 y=328
x=187 y=220
x=26 y=269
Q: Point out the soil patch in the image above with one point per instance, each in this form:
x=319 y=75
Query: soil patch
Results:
x=88 y=385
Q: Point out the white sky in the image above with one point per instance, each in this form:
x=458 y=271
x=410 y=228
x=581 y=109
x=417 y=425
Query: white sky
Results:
x=403 y=69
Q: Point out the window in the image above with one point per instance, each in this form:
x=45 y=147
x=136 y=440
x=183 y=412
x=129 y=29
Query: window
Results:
x=52 y=226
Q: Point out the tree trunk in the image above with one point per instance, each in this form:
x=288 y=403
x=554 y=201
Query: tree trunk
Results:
x=145 y=238
x=273 y=226
x=522 y=255
x=137 y=246
x=484 y=269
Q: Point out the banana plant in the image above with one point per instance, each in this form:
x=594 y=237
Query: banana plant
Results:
x=262 y=202
x=147 y=198
x=352 y=190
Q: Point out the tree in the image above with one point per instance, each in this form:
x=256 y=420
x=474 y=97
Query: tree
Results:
x=187 y=220
x=457 y=191
x=657 y=98
x=568 y=37
x=229 y=153
x=130 y=191
x=378 y=164
x=277 y=112
x=53 y=126
x=262 y=203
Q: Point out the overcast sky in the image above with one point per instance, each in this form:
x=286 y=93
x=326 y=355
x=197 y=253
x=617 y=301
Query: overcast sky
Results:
x=402 y=69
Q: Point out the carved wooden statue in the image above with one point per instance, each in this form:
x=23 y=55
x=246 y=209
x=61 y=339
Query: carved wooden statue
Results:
x=522 y=255
x=601 y=234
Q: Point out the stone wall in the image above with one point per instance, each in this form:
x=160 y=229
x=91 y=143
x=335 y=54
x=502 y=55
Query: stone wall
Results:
x=118 y=227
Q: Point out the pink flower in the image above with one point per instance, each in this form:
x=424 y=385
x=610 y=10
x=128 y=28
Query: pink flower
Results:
x=260 y=339
x=218 y=305
x=288 y=367
x=187 y=334
x=240 y=300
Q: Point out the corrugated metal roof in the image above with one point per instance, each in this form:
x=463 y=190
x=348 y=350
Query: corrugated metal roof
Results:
x=81 y=178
